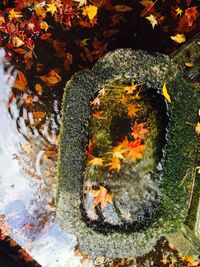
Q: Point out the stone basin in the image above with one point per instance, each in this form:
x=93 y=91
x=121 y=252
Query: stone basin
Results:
x=176 y=181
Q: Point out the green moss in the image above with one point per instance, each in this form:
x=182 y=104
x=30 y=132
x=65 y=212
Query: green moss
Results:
x=179 y=155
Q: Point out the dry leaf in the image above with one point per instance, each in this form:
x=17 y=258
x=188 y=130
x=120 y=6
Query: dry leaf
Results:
x=52 y=78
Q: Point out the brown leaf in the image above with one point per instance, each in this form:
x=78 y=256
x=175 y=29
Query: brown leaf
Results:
x=20 y=82
x=122 y=8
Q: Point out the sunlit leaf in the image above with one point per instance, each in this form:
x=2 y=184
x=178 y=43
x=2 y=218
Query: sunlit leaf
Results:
x=152 y=19
x=20 y=82
x=197 y=128
x=135 y=150
x=14 y=14
x=52 y=8
x=17 y=42
x=102 y=197
x=179 y=11
x=90 y=11
x=132 y=110
x=52 y=78
x=96 y=161
x=165 y=93
x=114 y=164
x=139 y=130
x=179 y=38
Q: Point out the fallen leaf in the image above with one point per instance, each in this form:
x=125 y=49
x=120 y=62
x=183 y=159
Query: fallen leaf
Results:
x=96 y=101
x=179 y=11
x=139 y=130
x=81 y=2
x=114 y=164
x=102 y=197
x=132 y=110
x=20 y=82
x=197 y=128
x=179 y=38
x=90 y=11
x=117 y=151
x=131 y=88
x=52 y=78
x=189 y=65
x=52 y=8
x=96 y=161
x=14 y=14
x=38 y=88
x=98 y=115
x=17 y=42
x=122 y=8
x=165 y=93
x=135 y=150
x=123 y=99
x=90 y=148
x=152 y=19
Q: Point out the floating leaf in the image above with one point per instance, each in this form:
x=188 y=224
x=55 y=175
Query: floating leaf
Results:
x=20 y=82
x=90 y=11
x=165 y=93
x=132 y=110
x=81 y=2
x=152 y=19
x=102 y=197
x=135 y=150
x=96 y=161
x=122 y=8
x=114 y=164
x=179 y=38
x=52 y=8
x=139 y=130
x=179 y=11
x=52 y=78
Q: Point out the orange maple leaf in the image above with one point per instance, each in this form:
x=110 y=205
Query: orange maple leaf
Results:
x=96 y=101
x=132 y=110
x=20 y=82
x=131 y=88
x=102 y=197
x=135 y=150
x=52 y=78
x=114 y=164
x=139 y=130
x=98 y=115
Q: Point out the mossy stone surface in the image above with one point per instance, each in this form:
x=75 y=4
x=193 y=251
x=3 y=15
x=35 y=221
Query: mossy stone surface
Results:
x=180 y=153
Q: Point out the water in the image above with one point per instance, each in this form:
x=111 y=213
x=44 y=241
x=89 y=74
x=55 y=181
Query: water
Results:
x=27 y=190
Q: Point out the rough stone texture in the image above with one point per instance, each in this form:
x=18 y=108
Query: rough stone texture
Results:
x=180 y=152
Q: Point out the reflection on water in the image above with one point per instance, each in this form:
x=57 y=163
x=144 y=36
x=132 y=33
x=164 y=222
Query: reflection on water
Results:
x=28 y=146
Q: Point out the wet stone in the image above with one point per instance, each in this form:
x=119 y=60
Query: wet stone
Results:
x=122 y=208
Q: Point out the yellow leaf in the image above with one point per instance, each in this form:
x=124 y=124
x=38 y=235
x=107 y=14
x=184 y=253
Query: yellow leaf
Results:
x=39 y=88
x=189 y=65
x=197 y=128
x=81 y=2
x=179 y=38
x=17 y=42
x=117 y=152
x=114 y=164
x=20 y=82
x=14 y=14
x=40 y=11
x=179 y=11
x=165 y=93
x=44 y=25
x=131 y=88
x=96 y=161
x=152 y=19
x=123 y=99
x=52 y=8
x=90 y=11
